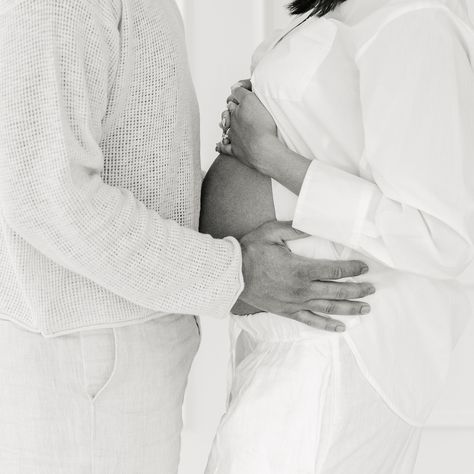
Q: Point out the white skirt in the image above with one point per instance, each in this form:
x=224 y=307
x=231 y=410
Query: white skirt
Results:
x=299 y=404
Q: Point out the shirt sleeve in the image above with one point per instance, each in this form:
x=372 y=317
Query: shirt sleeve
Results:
x=412 y=206
x=55 y=76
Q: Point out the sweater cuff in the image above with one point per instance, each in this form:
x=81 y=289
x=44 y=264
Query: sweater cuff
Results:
x=234 y=283
x=334 y=204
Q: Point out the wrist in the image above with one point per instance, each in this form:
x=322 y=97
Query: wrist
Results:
x=266 y=151
x=289 y=168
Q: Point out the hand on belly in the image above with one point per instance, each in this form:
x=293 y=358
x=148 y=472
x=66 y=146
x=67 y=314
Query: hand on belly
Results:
x=236 y=200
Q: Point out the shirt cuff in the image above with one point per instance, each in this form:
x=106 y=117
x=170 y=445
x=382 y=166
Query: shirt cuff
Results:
x=334 y=204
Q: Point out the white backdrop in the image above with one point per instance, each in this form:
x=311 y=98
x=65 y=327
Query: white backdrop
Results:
x=221 y=37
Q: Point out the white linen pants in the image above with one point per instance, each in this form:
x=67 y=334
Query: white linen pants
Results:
x=300 y=405
x=104 y=401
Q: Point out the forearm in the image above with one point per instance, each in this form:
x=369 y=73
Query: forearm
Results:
x=235 y=200
x=284 y=165
x=51 y=162
x=114 y=240
x=406 y=234
x=355 y=212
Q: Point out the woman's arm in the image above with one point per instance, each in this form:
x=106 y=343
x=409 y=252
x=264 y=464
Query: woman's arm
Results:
x=416 y=211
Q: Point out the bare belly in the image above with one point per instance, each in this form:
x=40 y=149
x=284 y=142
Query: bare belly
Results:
x=235 y=200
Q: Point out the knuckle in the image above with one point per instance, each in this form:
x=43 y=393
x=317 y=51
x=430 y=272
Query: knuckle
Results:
x=315 y=321
x=301 y=274
x=299 y=316
x=290 y=309
x=341 y=293
x=329 y=308
x=299 y=291
x=336 y=272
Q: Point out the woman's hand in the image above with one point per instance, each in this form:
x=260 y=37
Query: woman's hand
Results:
x=250 y=133
x=225 y=117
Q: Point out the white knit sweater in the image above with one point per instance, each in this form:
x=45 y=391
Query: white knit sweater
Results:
x=99 y=169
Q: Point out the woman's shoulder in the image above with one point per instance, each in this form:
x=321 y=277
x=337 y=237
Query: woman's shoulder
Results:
x=413 y=17
x=394 y=8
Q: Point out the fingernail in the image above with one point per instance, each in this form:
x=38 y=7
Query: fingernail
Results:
x=340 y=328
x=365 y=269
x=371 y=290
x=365 y=309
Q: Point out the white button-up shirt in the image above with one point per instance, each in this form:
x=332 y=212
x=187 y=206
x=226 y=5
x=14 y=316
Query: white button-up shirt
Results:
x=380 y=95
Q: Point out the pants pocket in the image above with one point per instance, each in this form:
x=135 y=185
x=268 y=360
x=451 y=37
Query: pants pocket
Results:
x=98 y=349
x=198 y=324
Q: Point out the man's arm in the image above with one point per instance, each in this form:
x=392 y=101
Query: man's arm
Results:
x=55 y=82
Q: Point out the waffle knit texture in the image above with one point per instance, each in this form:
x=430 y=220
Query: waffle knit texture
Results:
x=99 y=169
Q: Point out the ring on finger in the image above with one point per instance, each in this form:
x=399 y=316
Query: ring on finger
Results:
x=225 y=138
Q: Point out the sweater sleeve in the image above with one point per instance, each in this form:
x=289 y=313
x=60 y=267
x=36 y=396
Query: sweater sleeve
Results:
x=412 y=207
x=55 y=79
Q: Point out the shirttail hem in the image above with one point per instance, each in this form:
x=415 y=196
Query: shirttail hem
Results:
x=376 y=386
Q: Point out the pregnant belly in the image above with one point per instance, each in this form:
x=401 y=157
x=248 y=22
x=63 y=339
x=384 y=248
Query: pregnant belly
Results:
x=235 y=199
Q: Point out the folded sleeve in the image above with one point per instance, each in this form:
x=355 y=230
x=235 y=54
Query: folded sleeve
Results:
x=411 y=208
x=56 y=69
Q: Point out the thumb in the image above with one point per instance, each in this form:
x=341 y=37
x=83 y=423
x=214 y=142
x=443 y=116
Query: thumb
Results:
x=245 y=83
x=279 y=232
x=239 y=93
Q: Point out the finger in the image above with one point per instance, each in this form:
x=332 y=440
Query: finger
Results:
x=232 y=100
x=224 y=149
x=240 y=93
x=317 y=321
x=334 y=269
x=225 y=120
x=245 y=83
x=341 y=308
x=280 y=232
x=232 y=107
x=340 y=291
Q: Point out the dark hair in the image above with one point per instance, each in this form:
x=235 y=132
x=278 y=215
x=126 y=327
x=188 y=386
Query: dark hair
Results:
x=320 y=7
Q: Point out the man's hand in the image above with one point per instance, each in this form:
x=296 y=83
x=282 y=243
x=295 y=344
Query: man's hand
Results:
x=280 y=282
